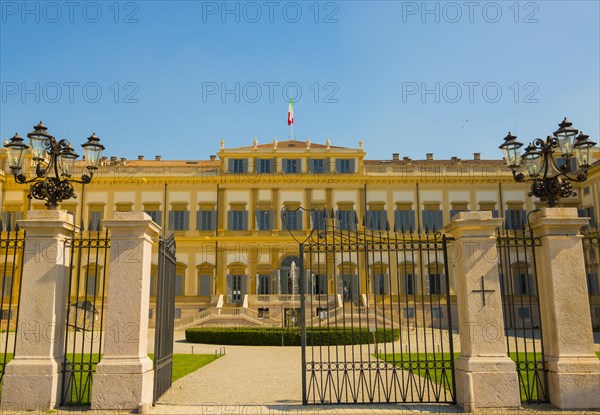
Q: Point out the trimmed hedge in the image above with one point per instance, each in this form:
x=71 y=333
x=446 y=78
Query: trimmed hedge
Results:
x=272 y=336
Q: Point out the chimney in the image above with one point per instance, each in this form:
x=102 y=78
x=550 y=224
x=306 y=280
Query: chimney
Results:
x=395 y=156
x=140 y=158
x=454 y=158
x=158 y=158
x=113 y=159
x=476 y=156
x=429 y=156
x=213 y=157
x=406 y=158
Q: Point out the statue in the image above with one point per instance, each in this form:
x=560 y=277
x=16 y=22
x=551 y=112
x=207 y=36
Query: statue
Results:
x=255 y=142
x=308 y=142
x=328 y=143
x=275 y=142
x=222 y=144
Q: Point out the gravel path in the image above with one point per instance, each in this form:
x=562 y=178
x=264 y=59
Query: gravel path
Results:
x=245 y=375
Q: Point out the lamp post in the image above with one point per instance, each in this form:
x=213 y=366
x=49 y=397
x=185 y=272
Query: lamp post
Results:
x=54 y=161
x=551 y=179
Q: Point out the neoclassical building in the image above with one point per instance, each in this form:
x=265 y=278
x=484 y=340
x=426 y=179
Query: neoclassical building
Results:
x=234 y=252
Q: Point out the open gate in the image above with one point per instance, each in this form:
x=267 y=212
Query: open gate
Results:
x=375 y=314
x=85 y=314
x=165 y=316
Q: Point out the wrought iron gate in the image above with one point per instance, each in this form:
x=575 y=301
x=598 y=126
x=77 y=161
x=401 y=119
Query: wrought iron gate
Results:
x=376 y=317
x=11 y=269
x=85 y=314
x=521 y=310
x=165 y=316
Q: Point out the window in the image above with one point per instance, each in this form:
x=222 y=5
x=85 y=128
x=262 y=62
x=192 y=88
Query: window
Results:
x=153 y=272
x=381 y=287
x=319 y=219
x=318 y=166
x=346 y=220
x=344 y=166
x=516 y=219
x=7 y=288
x=432 y=219
x=263 y=312
x=179 y=284
x=588 y=213
x=586 y=190
x=6 y=315
x=264 y=165
x=436 y=312
x=95 y=220
x=291 y=166
x=264 y=220
x=155 y=215
x=292 y=220
x=204 y=285
x=409 y=284
x=179 y=220
x=237 y=220
x=376 y=220
x=522 y=283
x=177 y=313
x=206 y=220
x=90 y=287
x=264 y=284
x=435 y=286
x=560 y=162
x=238 y=165
x=409 y=312
x=523 y=312
x=404 y=220
x=592 y=283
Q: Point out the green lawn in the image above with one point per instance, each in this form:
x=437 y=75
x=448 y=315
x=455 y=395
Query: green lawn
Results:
x=183 y=364
x=526 y=378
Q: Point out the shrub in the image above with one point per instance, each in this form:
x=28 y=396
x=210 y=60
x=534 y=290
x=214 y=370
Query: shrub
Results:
x=273 y=336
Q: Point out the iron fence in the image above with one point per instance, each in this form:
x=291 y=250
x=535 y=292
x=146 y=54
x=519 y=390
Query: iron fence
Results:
x=85 y=314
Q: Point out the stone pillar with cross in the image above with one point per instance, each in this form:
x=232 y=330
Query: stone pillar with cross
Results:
x=485 y=376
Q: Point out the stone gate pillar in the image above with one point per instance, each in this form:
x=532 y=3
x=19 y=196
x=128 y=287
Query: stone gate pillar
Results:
x=485 y=376
x=32 y=380
x=124 y=378
x=573 y=368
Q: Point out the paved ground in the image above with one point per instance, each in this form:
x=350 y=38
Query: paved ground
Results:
x=265 y=380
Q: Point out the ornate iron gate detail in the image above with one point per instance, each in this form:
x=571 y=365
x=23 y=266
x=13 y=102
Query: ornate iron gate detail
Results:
x=521 y=310
x=376 y=317
x=85 y=314
x=165 y=316
x=11 y=269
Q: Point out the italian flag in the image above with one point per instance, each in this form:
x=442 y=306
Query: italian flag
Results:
x=291 y=113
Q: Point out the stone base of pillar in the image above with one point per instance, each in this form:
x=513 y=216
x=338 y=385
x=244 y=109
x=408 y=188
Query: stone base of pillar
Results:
x=487 y=382
x=31 y=385
x=574 y=382
x=123 y=383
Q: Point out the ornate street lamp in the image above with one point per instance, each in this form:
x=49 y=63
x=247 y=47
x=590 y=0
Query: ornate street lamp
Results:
x=54 y=161
x=550 y=179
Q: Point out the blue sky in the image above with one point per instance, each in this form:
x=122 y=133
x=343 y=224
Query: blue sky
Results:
x=174 y=78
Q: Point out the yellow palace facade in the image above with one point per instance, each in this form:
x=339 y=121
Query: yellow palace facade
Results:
x=234 y=253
